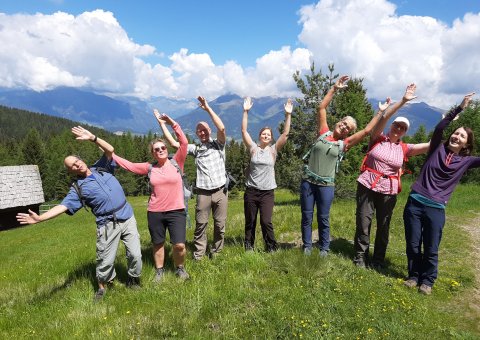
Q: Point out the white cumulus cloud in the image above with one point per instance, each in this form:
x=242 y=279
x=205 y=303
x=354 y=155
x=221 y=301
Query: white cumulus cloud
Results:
x=363 y=38
x=366 y=38
x=44 y=51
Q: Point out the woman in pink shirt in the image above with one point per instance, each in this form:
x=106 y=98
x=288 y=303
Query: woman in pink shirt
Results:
x=379 y=182
x=166 y=207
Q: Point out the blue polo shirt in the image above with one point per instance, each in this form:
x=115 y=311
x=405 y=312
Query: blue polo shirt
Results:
x=102 y=192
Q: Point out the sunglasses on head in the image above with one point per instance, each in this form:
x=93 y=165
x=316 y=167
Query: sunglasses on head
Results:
x=163 y=148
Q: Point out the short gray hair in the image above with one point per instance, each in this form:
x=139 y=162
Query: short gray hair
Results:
x=351 y=120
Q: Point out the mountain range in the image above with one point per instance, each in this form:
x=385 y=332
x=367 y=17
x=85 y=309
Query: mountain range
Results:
x=135 y=115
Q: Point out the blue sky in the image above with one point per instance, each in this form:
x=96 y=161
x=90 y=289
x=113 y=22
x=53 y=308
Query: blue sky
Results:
x=238 y=30
x=240 y=45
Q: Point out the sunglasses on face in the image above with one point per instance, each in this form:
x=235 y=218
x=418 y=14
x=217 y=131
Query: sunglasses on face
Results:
x=162 y=148
x=400 y=126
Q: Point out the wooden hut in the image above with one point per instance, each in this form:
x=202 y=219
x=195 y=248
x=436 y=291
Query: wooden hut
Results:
x=20 y=190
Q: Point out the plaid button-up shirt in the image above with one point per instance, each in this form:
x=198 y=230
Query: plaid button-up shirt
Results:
x=210 y=161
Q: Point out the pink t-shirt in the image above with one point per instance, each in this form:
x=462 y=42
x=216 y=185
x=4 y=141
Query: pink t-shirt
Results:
x=386 y=157
x=166 y=182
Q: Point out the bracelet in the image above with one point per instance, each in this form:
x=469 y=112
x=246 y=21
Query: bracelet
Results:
x=95 y=139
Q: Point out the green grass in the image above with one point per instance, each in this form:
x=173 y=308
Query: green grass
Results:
x=47 y=283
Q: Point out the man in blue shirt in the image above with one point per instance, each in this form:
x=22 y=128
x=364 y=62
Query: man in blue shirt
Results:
x=97 y=188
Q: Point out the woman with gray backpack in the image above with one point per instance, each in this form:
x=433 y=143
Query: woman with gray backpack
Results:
x=260 y=177
x=166 y=206
x=322 y=162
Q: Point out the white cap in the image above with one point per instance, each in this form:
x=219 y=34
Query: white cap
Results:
x=402 y=120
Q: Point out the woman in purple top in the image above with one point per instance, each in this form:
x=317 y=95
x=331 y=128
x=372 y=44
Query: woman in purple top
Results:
x=424 y=214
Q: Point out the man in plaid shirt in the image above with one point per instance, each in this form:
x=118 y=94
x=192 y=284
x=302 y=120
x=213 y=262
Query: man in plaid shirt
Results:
x=210 y=184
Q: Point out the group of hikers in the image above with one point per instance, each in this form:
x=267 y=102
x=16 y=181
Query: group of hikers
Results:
x=377 y=189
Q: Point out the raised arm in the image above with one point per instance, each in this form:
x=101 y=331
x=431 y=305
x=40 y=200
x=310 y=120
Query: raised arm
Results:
x=247 y=140
x=32 y=217
x=437 y=135
x=286 y=127
x=161 y=119
x=322 y=109
x=359 y=135
x=84 y=134
x=418 y=149
x=409 y=95
x=181 y=153
x=221 y=134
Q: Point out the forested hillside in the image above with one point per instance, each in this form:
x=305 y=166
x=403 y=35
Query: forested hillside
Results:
x=15 y=124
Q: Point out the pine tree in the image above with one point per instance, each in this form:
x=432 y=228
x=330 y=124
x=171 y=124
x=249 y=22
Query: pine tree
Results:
x=33 y=151
x=414 y=164
x=313 y=86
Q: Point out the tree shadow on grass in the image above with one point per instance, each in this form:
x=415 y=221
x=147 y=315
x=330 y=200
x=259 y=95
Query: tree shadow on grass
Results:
x=84 y=271
x=295 y=202
x=228 y=241
x=87 y=271
x=344 y=247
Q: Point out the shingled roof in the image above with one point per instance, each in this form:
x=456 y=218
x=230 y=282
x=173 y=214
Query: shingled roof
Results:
x=20 y=186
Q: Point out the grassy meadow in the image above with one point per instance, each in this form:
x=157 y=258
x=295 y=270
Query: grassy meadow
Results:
x=47 y=278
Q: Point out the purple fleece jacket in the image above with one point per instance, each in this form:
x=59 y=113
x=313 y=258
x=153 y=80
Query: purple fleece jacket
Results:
x=437 y=180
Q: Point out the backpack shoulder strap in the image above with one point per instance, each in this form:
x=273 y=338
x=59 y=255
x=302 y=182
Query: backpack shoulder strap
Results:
x=370 y=148
x=150 y=167
x=175 y=164
x=405 y=151
x=322 y=136
x=78 y=190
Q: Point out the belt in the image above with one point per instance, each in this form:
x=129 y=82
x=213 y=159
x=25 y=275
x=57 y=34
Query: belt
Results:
x=212 y=190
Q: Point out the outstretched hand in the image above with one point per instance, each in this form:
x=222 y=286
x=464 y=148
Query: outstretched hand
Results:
x=288 y=106
x=410 y=92
x=166 y=118
x=341 y=82
x=30 y=218
x=247 y=104
x=158 y=115
x=82 y=134
x=466 y=100
x=163 y=118
x=203 y=103
x=384 y=106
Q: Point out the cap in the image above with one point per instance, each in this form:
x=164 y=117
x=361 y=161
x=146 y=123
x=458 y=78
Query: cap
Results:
x=402 y=120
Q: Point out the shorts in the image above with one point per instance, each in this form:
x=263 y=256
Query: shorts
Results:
x=175 y=221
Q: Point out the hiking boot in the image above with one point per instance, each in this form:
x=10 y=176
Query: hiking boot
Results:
x=99 y=294
x=424 y=289
x=378 y=266
x=323 y=253
x=181 y=273
x=410 y=283
x=159 y=275
x=133 y=282
x=111 y=284
x=307 y=251
x=272 y=249
x=359 y=261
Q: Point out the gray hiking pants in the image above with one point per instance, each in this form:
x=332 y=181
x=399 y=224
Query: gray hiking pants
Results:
x=108 y=238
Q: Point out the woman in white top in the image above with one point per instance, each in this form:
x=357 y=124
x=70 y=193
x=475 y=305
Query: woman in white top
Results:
x=260 y=177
